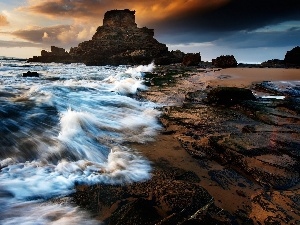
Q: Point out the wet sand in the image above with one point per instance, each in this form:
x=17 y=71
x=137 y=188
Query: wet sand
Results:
x=244 y=77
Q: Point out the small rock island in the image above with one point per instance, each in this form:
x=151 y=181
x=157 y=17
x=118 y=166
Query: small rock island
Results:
x=117 y=42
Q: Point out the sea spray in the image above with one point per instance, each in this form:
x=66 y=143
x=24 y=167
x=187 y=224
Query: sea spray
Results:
x=67 y=127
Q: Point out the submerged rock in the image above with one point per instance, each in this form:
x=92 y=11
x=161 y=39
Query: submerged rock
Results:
x=31 y=74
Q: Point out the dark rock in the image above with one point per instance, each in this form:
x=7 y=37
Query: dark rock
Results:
x=229 y=95
x=292 y=57
x=56 y=54
x=224 y=61
x=31 y=74
x=273 y=63
x=172 y=196
x=120 y=41
x=139 y=211
x=191 y=59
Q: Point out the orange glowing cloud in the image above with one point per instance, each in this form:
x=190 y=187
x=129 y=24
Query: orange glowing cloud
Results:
x=95 y=9
x=3 y=20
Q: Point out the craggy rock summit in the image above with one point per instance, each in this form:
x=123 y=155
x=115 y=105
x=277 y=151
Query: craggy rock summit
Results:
x=119 y=41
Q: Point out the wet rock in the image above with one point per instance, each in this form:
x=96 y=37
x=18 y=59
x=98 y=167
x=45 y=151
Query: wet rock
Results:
x=254 y=154
x=140 y=211
x=227 y=178
x=277 y=207
x=172 y=196
x=229 y=95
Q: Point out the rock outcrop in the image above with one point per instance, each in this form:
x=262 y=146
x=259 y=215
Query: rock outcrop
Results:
x=224 y=61
x=292 y=57
x=191 y=59
x=273 y=63
x=59 y=55
x=117 y=42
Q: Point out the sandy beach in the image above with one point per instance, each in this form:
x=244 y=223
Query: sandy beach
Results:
x=244 y=77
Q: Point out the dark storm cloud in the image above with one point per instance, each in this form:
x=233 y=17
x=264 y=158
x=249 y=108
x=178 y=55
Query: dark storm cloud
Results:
x=244 y=39
x=236 y=19
x=234 y=16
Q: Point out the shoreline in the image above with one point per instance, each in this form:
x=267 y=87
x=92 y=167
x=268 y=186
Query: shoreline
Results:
x=211 y=164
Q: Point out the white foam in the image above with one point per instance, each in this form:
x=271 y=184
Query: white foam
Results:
x=130 y=81
x=128 y=86
x=36 y=213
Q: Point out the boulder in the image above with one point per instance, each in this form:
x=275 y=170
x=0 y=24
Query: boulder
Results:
x=224 y=61
x=229 y=95
x=191 y=59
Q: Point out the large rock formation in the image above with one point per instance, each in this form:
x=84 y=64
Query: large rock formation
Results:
x=292 y=57
x=118 y=41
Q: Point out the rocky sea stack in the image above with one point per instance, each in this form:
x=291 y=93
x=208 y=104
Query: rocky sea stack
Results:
x=117 y=42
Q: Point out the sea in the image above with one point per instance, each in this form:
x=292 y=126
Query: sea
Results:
x=71 y=125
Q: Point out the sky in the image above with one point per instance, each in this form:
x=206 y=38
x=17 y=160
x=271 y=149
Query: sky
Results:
x=252 y=30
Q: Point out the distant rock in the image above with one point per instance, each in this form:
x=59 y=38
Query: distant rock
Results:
x=191 y=59
x=117 y=42
x=224 y=61
x=292 y=57
x=59 y=55
x=31 y=74
x=273 y=63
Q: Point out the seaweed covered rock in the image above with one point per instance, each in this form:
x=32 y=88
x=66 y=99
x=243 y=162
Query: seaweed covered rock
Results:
x=224 y=61
x=229 y=95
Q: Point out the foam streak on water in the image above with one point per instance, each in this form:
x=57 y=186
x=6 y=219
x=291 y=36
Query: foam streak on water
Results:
x=66 y=127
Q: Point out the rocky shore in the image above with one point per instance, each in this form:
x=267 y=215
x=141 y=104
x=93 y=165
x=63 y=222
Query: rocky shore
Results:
x=218 y=160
